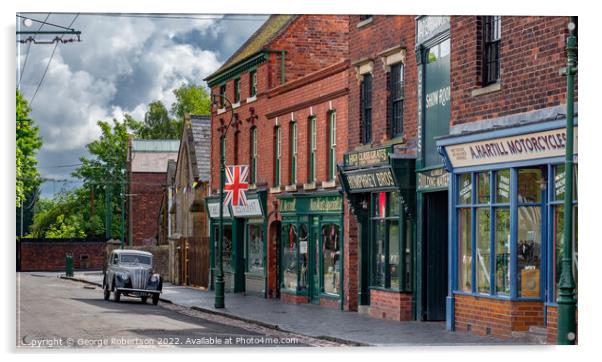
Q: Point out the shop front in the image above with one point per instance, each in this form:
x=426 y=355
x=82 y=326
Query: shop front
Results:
x=506 y=227
x=311 y=248
x=380 y=187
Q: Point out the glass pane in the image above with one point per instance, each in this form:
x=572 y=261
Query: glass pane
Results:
x=531 y=185
x=394 y=253
x=483 y=250
x=303 y=256
x=575 y=183
x=483 y=184
x=529 y=251
x=559 y=182
x=289 y=256
x=502 y=186
x=227 y=248
x=379 y=202
x=464 y=250
x=558 y=235
x=502 y=250
x=255 y=249
x=408 y=255
x=379 y=253
x=394 y=203
x=465 y=187
x=331 y=258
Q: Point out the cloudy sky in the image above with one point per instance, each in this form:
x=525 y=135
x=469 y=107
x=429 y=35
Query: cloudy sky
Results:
x=122 y=64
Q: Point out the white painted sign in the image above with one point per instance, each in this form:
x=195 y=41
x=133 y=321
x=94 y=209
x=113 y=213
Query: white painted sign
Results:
x=214 y=210
x=509 y=149
x=253 y=208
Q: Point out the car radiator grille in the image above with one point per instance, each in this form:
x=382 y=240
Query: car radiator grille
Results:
x=140 y=278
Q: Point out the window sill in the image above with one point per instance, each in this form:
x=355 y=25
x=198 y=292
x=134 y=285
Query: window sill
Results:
x=252 y=187
x=388 y=290
x=290 y=188
x=309 y=186
x=221 y=110
x=397 y=140
x=328 y=184
x=364 y=22
x=236 y=105
x=492 y=88
x=251 y=99
x=275 y=190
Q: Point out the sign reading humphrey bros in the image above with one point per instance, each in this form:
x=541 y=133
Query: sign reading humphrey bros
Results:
x=365 y=180
x=508 y=149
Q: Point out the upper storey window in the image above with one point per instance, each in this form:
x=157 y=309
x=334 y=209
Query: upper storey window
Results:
x=492 y=34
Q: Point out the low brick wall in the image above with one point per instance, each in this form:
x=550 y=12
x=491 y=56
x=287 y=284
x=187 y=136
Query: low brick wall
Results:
x=487 y=316
x=390 y=305
x=49 y=254
x=329 y=302
x=293 y=299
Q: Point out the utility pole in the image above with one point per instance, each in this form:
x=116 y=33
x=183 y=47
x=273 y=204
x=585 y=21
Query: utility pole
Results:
x=567 y=327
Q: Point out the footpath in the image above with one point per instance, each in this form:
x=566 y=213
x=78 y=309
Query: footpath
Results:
x=315 y=321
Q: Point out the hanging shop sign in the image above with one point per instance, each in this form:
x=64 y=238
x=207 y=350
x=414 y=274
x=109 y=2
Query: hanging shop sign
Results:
x=213 y=208
x=509 y=149
x=366 y=180
x=251 y=209
x=374 y=157
x=433 y=180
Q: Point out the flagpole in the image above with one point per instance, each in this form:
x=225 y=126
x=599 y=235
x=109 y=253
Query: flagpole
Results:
x=219 y=278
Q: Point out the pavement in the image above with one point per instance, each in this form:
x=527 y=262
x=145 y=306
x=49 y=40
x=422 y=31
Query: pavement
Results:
x=350 y=328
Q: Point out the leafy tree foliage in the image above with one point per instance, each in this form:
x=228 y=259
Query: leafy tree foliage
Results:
x=28 y=142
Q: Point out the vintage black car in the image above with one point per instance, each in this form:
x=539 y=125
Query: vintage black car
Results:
x=130 y=273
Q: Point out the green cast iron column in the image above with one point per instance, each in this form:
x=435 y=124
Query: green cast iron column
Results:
x=219 y=279
x=567 y=331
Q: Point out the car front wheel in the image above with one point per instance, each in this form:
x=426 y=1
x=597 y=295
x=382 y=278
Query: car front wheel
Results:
x=107 y=292
x=155 y=299
x=144 y=299
x=116 y=296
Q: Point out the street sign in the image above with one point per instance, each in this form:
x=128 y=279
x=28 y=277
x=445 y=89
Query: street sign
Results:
x=236 y=185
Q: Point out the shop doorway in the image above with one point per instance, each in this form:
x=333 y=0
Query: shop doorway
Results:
x=434 y=281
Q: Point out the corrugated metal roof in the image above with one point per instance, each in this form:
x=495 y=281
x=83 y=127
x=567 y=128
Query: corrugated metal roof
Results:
x=155 y=145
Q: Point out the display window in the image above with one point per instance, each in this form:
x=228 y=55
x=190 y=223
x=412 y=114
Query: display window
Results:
x=254 y=250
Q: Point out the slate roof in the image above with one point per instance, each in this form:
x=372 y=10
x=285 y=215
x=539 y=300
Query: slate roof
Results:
x=199 y=138
x=258 y=41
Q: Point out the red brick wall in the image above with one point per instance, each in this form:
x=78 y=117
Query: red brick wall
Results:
x=330 y=303
x=146 y=193
x=385 y=32
x=49 y=255
x=293 y=299
x=478 y=314
x=390 y=305
x=531 y=55
x=351 y=259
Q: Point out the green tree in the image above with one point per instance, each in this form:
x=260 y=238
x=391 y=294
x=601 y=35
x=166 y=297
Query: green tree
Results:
x=157 y=124
x=191 y=99
x=28 y=142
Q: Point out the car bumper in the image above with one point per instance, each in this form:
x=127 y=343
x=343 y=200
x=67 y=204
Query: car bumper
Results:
x=138 y=292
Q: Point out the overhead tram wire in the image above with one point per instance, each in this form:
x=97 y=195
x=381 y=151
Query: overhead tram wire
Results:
x=258 y=17
x=29 y=46
x=45 y=22
x=48 y=65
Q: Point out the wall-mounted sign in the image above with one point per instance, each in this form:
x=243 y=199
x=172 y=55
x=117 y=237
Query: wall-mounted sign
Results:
x=429 y=26
x=433 y=179
x=379 y=156
x=288 y=205
x=366 y=180
x=213 y=208
x=509 y=149
x=326 y=203
x=252 y=208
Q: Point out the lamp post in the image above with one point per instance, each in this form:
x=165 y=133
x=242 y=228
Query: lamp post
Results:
x=567 y=329
x=219 y=278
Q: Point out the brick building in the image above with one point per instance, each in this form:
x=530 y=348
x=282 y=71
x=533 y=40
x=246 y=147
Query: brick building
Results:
x=505 y=153
x=288 y=89
x=146 y=171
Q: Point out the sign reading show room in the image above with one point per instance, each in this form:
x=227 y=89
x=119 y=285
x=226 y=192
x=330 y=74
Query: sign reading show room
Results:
x=514 y=148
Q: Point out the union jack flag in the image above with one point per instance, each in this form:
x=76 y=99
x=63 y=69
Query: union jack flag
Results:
x=236 y=185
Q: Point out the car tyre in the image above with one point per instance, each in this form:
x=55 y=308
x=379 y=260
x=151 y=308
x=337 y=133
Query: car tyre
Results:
x=116 y=296
x=144 y=299
x=155 y=299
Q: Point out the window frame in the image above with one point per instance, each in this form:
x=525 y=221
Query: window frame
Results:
x=237 y=90
x=253 y=155
x=222 y=92
x=396 y=99
x=332 y=144
x=253 y=83
x=293 y=153
x=277 y=156
x=491 y=68
x=366 y=109
x=312 y=149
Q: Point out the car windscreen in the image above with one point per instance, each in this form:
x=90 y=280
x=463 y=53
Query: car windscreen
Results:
x=135 y=259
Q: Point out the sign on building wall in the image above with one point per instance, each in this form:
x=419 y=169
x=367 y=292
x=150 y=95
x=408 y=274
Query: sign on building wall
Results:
x=433 y=180
x=213 y=208
x=252 y=208
x=378 y=156
x=430 y=26
x=509 y=149
x=365 y=180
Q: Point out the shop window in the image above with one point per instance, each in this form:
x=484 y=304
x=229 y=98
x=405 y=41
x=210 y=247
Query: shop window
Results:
x=391 y=245
x=332 y=145
x=483 y=251
x=529 y=251
x=255 y=248
x=289 y=257
x=465 y=187
x=366 y=109
x=331 y=258
x=531 y=185
x=483 y=187
x=502 y=186
x=502 y=251
x=226 y=247
x=303 y=256
x=464 y=250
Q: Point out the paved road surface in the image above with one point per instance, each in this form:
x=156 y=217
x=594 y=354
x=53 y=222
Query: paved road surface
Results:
x=58 y=313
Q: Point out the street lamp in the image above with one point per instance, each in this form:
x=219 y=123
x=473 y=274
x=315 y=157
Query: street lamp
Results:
x=567 y=328
x=223 y=130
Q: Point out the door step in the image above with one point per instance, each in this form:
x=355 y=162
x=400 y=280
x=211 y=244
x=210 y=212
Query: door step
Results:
x=535 y=335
